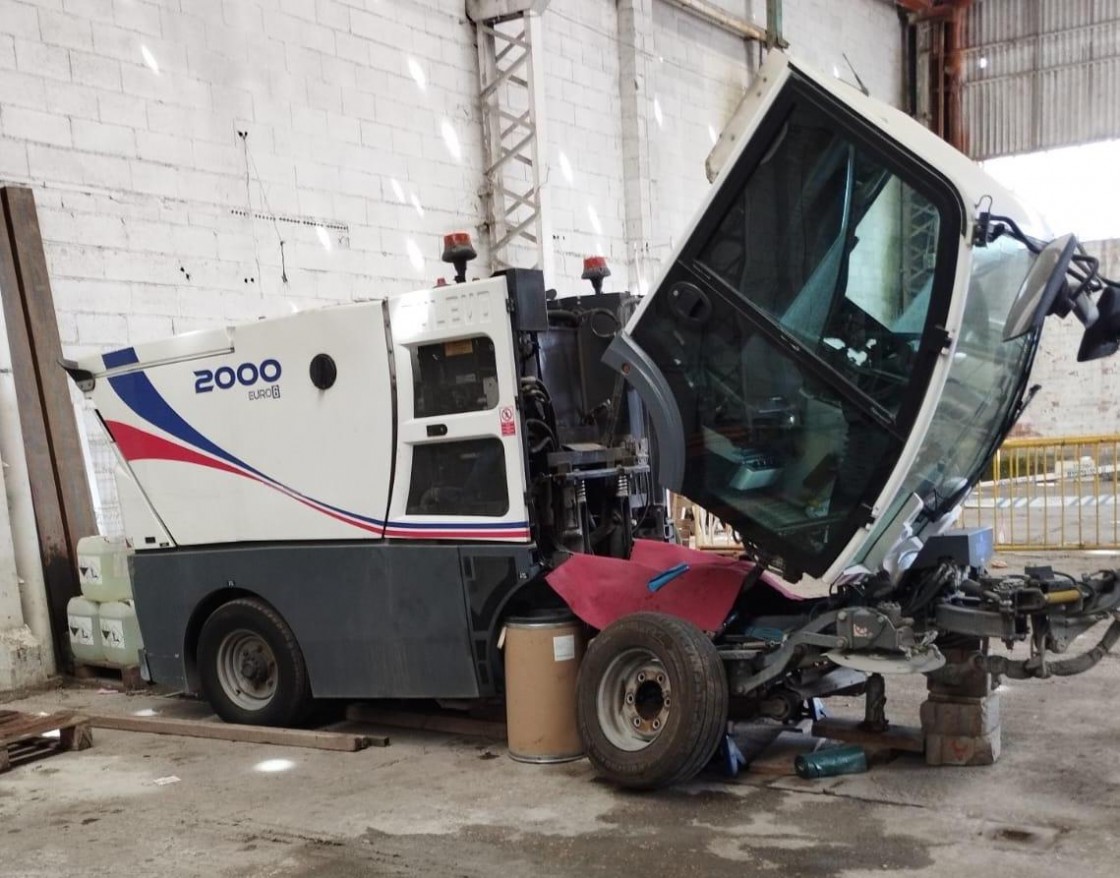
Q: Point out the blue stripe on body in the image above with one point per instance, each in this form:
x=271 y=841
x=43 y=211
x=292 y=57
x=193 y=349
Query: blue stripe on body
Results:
x=123 y=357
x=140 y=395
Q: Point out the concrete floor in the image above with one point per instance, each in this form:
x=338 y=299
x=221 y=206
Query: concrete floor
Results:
x=433 y=804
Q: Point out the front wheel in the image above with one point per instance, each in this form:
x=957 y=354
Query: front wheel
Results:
x=651 y=701
x=251 y=667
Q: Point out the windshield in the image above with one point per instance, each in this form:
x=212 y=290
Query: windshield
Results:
x=791 y=335
x=984 y=386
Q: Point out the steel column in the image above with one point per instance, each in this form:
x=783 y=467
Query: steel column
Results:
x=56 y=468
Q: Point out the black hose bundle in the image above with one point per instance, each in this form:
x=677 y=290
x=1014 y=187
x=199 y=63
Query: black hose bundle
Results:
x=928 y=588
x=1027 y=669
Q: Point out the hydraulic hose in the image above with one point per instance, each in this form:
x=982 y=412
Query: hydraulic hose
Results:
x=563 y=314
x=1078 y=664
x=535 y=425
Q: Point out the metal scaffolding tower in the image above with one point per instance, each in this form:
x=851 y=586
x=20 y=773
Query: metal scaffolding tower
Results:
x=920 y=225
x=511 y=95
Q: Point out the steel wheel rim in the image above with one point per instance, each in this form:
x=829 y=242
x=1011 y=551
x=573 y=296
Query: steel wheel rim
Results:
x=247 y=669
x=634 y=699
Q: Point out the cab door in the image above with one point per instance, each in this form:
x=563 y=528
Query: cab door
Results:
x=460 y=466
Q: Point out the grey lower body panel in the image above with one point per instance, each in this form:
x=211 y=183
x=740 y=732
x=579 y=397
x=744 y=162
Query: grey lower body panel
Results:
x=373 y=620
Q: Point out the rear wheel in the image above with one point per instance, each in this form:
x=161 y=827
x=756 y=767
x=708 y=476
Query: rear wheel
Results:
x=652 y=701
x=251 y=667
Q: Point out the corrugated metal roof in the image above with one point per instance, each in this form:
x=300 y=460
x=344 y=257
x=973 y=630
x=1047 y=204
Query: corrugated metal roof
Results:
x=1039 y=74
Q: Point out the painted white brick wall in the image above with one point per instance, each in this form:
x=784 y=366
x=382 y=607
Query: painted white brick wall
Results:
x=585 y=133
x=867 y=31
x=698 y=75
x=363 y=141
x=1076 y=399
x=123 y=114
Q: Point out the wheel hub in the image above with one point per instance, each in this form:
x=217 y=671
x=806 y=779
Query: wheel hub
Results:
x=253 y=667
x=648 y=700
x=247 y=669
x=635 y=699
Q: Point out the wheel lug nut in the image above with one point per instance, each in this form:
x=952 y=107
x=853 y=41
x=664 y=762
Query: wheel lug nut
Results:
x=660 y=679
x=629 y=697
x=656 y=724
x=641 y=677
x=637 y=722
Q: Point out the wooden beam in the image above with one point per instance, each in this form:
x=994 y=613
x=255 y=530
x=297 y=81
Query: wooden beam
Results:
x=197 y=728
x=907 y=738
x=56 y=467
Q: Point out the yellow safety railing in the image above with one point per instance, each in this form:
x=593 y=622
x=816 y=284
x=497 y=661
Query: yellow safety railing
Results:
x=1041 y=495
x=1051 y=494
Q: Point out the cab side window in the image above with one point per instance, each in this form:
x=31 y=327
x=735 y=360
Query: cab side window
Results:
x=451 y=377
x=467 y=477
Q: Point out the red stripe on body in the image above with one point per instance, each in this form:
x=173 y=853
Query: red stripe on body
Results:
x=136 y=444
x=140 y=445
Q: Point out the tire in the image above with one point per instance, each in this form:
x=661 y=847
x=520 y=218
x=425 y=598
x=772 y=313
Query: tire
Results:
x=651 y=701
x=251 y=667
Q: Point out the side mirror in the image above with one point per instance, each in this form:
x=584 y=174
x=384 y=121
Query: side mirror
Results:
x=1102 y=339
x=1040 y=287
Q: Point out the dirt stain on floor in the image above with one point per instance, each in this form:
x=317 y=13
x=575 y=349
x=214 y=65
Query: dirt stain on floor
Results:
x=667 y=834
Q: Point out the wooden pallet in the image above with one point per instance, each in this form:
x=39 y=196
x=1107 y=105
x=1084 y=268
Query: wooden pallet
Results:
x=127 y=677
x=23 y=736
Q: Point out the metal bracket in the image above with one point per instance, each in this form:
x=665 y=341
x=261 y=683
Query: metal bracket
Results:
x=499 y=10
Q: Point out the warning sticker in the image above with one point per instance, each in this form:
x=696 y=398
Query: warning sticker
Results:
x=112 y=633
x=509 y=426
x=81 y=630
x=89 y=568
x=564 y=648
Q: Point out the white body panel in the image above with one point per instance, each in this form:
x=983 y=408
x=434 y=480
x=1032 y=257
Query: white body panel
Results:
x=224 y=438
x=142 y=526
x=241 y=446
x=449 y=314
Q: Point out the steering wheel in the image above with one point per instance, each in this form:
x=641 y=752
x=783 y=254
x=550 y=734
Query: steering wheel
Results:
x=690 y=304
